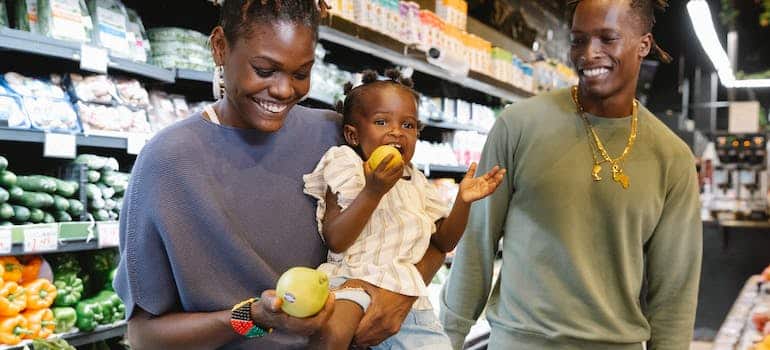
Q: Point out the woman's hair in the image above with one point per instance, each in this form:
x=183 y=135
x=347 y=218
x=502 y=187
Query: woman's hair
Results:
x=238 y=16
x=369 y=81
x=645 y=12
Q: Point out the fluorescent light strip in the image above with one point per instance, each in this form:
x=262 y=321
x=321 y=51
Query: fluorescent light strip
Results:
x=703 y=24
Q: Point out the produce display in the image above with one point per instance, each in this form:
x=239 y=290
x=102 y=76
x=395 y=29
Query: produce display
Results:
x=106 y=186
x=166 y=109
x=11 y=113
x=180 y=48
x=64 y=20
x=110 y=26
x=46 y=105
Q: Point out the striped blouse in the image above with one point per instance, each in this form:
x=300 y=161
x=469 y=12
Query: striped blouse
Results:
x=398 y=233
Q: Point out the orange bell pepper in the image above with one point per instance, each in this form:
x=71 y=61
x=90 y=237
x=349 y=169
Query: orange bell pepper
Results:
x=12 y=269
x=31 y=268
x=41 y=323
x=12 y=329
x=41 y=294
x=12 y=299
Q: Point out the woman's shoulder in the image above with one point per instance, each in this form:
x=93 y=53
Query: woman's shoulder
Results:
x=320 y=117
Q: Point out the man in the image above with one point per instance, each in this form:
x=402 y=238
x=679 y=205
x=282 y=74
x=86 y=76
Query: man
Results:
x=599 y=197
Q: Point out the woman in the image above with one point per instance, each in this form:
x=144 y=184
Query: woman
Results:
x=215 y=210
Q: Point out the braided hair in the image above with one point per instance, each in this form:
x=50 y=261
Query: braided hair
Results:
x=238 y=16
x=370 y=81
x=645 y=12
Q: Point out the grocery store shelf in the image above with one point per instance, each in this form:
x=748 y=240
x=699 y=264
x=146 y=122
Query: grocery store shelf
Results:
x=69 y=236
x=194 y=75
x=37 y=136
x=105 y=332
x=743 y=224
x=454 y=126
x=18 y=40
x=491 y=87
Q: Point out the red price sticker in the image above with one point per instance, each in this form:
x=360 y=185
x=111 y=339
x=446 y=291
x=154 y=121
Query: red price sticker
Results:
x=42 y=238
x=109 y=234
x=6 y=240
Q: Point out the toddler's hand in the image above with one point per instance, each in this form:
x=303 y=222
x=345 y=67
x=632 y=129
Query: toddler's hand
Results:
x=473 y=189
x=380 y=180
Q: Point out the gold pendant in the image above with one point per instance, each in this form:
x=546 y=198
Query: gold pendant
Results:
x=619 y=177
x=595 y=172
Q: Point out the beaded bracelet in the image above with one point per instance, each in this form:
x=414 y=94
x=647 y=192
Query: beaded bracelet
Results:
x=240 y=320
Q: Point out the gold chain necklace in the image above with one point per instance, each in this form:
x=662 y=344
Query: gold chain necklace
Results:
x=615 y=164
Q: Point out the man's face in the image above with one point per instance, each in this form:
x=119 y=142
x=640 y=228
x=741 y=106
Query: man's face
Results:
x=607 y=46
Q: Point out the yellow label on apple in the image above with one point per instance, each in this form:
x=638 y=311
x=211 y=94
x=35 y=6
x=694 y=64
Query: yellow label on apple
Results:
x=380 y=153
x=303 y=290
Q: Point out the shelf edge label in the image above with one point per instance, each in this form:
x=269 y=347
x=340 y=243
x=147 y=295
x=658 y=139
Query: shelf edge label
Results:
x=109 y=234
x=60 y=146
x=94 y=59
x=41 y=238
x=6 y=240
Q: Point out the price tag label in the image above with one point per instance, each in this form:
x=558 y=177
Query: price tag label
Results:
x=60 y=146
x=109 y=234
x=44 y=238
x=6 y=240
x=94 y=59
x=135 y=143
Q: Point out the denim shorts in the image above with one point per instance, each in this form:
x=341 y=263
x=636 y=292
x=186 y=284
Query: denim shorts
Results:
x=421 y=330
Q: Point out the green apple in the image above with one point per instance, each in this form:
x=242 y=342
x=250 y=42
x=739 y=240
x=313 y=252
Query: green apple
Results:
x=303 y=291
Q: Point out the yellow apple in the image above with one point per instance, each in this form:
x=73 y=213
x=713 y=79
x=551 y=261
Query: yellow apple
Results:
x=380 y=153
x=303 y=291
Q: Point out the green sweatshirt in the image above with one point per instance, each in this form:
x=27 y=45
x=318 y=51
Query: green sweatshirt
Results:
x=575 y=251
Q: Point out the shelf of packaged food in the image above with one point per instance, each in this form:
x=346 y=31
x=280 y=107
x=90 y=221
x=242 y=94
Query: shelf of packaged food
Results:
x=18 y=40
x=58 y=237
x=38 y=136
x=474 y=81
x=104 y=332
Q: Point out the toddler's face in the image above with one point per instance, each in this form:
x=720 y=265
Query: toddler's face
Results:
x=388 y=117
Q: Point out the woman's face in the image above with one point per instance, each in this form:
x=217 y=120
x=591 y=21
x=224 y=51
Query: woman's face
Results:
x=266 y=72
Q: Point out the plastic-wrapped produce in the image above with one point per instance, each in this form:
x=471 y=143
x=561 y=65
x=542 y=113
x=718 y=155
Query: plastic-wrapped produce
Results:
x=166 y=109
x=94 y=88
x=65 y=20
x=26 y=86
x=180 y=48
x=3 y=14
x=26 y=15
x=11 y=113
x=138 y=43
x=51 y=114
x=110 y=26
x=108 y=120
x=132 y=93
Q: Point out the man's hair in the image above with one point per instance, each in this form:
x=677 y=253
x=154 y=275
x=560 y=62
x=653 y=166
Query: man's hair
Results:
x=645 y=13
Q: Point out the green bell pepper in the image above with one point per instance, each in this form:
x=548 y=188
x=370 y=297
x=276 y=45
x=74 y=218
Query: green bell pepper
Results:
x=89 y=315
x=65 y=317
x=110 y=278
x=62 y=263
x=111 y=300
x=69 y=289
x=103 y=261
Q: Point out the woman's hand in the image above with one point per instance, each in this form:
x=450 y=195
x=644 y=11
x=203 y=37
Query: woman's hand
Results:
x=384 y=316
x=380 y=180
x=267 y=313
x=475 y=188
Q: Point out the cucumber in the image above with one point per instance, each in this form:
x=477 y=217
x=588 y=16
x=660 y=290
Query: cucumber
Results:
x=7 y=179
x=109 y=204
x=76 y=207
x=20 y=214
x=6 y=223
x=107 y=191
x=92 y=191
x=111 y=165
x=61 y=216
x=66 y=189
x=112 y=215
x=60 y=203
x=118 y=204
x=6 y=211
x=48 y=219
x=4 y=195
x=96 y=203
x=16 y=193
x=36 y=215
x=93 y=176
x=93 y=162
x=4 y=163
x=110 y=178
x=101 y=215
x=36 y=183
x=36 y=200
